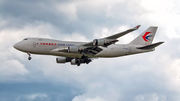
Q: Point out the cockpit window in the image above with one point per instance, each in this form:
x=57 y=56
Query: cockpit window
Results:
x=25 y=39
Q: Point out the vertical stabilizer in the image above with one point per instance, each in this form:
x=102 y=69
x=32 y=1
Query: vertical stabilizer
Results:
x=146 y=37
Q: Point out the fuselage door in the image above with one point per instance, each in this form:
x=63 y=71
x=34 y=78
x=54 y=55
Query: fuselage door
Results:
x=130 y=49
x=34 y=44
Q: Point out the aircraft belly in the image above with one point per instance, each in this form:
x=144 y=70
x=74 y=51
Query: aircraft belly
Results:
x=72 y=55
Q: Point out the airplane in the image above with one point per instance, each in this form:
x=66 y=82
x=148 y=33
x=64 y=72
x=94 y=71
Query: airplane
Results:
x=78 y=53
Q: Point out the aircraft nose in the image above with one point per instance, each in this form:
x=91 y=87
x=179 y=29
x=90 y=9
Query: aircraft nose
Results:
x=17 y=46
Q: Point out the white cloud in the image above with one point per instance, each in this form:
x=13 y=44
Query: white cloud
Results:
x=11 y=65
x=89 y=99
x=12 y=70
x=164 y=14
x=69 y=9
x=151 y=97
x=75 y=37
x=158 y=6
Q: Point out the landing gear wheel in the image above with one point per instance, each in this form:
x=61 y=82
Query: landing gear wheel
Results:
x=29 y=58
x=78 y=64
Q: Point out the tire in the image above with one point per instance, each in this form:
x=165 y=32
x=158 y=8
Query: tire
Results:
x=29 y=58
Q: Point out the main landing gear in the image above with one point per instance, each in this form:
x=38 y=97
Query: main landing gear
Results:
x=83 y=59
x=29 y=58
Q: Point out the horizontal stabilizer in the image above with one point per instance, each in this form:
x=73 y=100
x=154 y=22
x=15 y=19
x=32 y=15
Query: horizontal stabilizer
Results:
x=151 y=46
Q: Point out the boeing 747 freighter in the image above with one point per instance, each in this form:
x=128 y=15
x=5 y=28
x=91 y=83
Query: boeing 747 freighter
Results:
x=83 y=52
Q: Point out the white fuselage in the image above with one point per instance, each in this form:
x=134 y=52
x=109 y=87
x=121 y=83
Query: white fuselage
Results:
x=45 y=46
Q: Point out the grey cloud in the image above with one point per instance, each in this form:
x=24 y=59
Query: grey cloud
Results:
x=89 y=17
x=41 y=92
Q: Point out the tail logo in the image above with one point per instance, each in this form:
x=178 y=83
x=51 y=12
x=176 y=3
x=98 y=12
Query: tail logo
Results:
x=146 y=36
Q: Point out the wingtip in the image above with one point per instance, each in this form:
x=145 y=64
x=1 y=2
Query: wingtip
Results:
x=161 y=42
x=137 y=27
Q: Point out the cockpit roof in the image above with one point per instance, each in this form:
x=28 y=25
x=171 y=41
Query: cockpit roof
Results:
x=25 y=39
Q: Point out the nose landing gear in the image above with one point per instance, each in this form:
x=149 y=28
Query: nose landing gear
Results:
x=29 y=58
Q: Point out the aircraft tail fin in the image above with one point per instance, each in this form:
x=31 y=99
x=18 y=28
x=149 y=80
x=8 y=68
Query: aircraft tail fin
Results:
x=146 y=37
x=151 y=46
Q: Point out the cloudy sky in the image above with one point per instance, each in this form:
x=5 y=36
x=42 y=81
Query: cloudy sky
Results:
x=153 y=76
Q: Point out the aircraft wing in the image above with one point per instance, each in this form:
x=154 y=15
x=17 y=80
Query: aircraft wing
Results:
x=122 y=33
x=113 y=38
x=91 y=50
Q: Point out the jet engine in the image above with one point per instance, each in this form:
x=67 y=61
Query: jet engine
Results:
x=63 y=59
x=100 y=42
x=73 y=49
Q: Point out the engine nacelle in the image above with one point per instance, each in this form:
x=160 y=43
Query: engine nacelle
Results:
x=100 y=42
x=62 y=59
x=73 y=49
x=73 y=62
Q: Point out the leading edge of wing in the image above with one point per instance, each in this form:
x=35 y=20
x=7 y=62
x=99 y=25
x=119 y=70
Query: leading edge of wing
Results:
x=115 y=36
x=122 y=33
